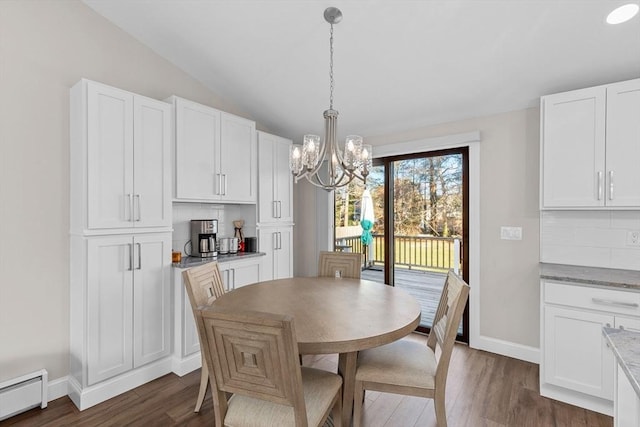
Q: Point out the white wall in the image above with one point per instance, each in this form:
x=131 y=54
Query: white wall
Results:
x=509 y=176
x=46 y=47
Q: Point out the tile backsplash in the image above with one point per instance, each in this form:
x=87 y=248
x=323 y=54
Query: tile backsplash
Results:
x=183 y=213
x=590 y=238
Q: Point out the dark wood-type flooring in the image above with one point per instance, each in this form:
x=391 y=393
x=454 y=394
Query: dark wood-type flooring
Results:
x=483 y=389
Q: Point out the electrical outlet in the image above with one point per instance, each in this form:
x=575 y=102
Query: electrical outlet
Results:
x=633 y=238
x=511 y=233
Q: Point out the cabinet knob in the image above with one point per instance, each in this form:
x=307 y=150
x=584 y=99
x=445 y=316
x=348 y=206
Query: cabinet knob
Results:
x=608 y=325
x=621 y=327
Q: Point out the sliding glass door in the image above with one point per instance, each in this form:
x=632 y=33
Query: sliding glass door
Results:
x=423 y=199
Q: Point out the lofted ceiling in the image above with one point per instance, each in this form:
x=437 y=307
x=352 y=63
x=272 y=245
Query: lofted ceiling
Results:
x=398 y=64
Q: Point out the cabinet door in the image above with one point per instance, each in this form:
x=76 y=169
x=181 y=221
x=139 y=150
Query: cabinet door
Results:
x=246 y=274
x=239 y=166
x=109 y=307
x=573 y=147
x=283 y=180
x=267 y=206
x=623 y=144
x=152 y=298
x=109 y=157
x=197 y=151
x=283 y=255
x=267 y=241
x=575 y=354
x=152 y=173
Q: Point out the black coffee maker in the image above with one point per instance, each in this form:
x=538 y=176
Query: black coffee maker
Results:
x=203 y=238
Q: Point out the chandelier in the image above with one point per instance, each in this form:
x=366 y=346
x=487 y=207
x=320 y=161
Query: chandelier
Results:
x=340 y=166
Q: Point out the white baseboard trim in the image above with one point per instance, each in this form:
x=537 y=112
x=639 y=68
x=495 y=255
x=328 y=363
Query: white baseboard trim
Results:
x=183 y=366
x=92 y=395
x=506 y=348
x=58 y=388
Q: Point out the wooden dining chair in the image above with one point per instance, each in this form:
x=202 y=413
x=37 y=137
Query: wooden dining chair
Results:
x=204 y=285
x=254 y=355
x=412 y=368
x=340 y=264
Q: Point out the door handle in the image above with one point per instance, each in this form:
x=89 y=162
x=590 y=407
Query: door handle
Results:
x=599 y=185
x=614 y=303
x=139 y=217
x=139 y=256
x=130 y=245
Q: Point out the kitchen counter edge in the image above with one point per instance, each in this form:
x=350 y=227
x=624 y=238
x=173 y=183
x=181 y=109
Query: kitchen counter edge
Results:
x=607 y=277
x=188 y=262
x=626 y=347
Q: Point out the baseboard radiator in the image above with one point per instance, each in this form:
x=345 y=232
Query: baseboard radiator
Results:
x=23 y=393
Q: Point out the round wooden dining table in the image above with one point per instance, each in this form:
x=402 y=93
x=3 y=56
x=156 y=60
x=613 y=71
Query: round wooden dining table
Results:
x=333 y=315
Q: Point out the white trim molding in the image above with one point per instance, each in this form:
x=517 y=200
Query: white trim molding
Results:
x=472 y=141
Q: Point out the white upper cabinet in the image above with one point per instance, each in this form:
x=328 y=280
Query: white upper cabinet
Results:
x=275 y=180
x=590 y=139
x=215 y=155
x=120 y=148
x=623 y=144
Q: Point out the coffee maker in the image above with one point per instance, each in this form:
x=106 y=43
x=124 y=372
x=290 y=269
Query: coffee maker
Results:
x=203 y=238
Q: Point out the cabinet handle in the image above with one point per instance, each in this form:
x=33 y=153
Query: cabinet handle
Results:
x=610 y=185
x=614 y=303
x=139 y=217
x=225 y=184
x=139 y=256
x=274 y=209
x=279 y=240
x=279 y=209
x=275 y=240
x=599 y=185
x=130 y=196
x=218 y=184
x=130 y=257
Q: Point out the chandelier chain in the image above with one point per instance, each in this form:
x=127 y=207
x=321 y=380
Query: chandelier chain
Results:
x=331 y=69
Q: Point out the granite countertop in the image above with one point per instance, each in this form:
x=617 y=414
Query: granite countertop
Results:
x=626 y=347
x=190 y=261
x=611 y=277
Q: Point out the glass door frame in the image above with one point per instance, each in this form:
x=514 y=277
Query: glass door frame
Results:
x=389 y=269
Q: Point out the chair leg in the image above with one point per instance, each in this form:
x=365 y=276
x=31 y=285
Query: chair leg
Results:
x=441 y=414
x=336 y=413
x=204 y=382
x=358 y=399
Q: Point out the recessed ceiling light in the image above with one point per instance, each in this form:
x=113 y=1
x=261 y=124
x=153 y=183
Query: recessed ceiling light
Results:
x=623 y=13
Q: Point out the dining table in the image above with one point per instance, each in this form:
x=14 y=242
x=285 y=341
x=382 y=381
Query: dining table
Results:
x=333 y=315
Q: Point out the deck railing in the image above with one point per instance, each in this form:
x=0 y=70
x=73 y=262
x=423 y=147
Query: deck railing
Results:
x=413 y=252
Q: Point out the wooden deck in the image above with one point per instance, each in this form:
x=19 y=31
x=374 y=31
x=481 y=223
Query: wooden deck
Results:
x=425 y=286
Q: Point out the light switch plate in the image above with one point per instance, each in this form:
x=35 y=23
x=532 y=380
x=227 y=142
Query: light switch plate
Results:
x=511 y=233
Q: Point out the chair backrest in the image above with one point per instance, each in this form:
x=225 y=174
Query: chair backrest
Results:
x=254 y=354
x=445 y=324
x=204 y=284
x=340 y=264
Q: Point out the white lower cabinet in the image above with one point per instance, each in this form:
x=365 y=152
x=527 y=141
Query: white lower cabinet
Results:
x=239 y=273
x=577 y=365
x=186 y=348
x=277 y=244
x=120 y=313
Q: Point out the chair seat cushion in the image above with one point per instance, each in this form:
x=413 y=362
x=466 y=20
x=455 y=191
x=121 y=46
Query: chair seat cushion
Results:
x=404 y=362
x=319 y=386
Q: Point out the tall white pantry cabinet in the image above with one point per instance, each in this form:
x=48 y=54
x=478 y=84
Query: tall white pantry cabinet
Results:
x=120 y=223
x=275 y=206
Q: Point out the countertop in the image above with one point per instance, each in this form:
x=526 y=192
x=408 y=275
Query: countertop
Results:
x=610 y=277
x=626 y=347
x=190 y=261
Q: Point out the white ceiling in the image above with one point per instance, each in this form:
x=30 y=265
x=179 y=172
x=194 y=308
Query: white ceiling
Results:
x=399 y=65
